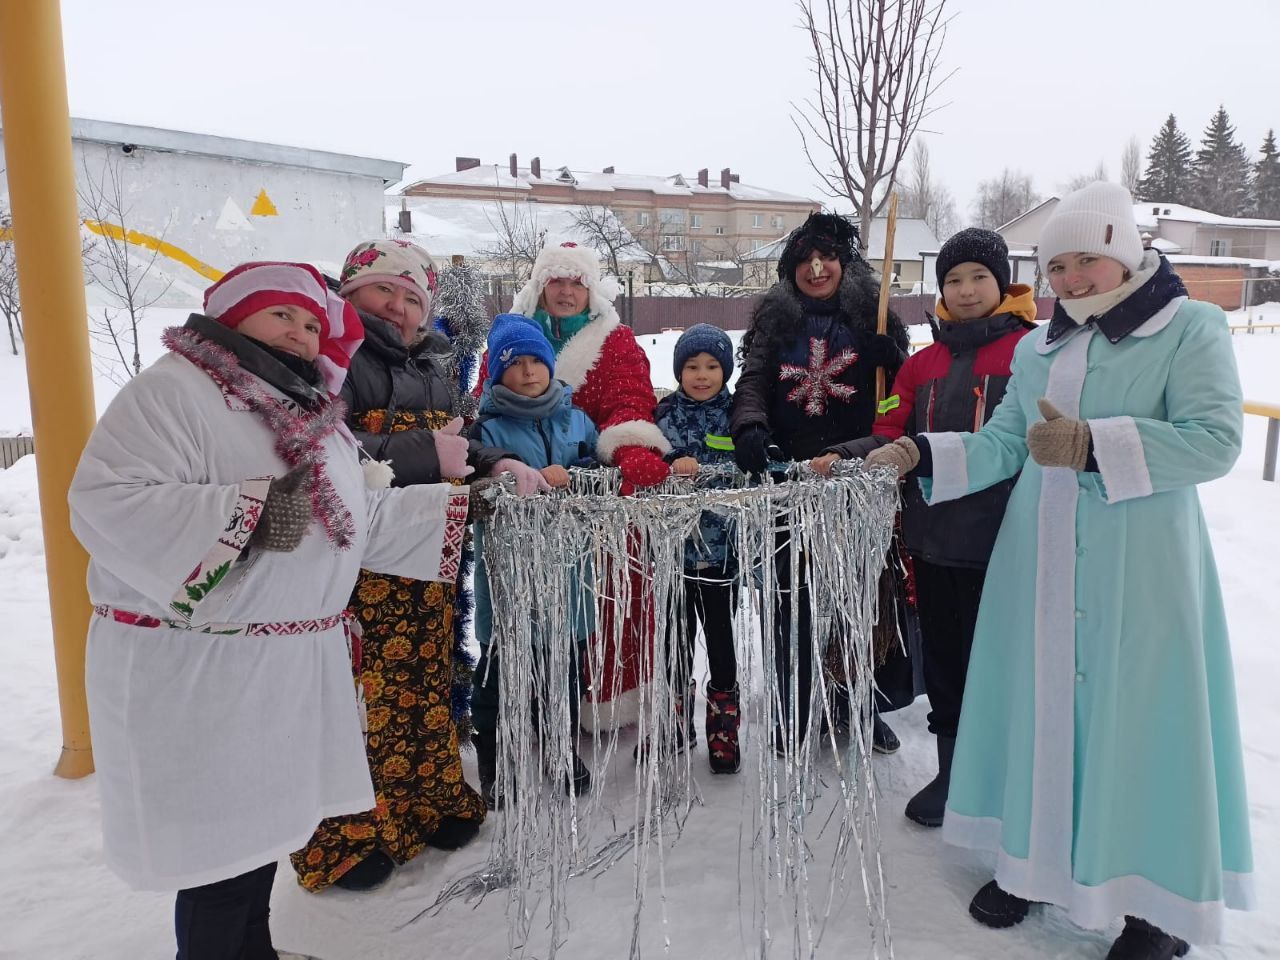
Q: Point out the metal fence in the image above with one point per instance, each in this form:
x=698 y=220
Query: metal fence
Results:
x=13 y=449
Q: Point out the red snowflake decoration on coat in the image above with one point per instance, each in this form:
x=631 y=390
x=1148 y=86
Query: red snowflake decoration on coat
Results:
x=816 y=382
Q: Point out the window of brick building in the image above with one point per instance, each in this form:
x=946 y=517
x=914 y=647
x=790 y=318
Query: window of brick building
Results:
x=757 y=220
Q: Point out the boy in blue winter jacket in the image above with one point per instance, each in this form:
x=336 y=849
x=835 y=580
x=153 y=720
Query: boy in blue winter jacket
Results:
x=696 y=420
x=525 y=410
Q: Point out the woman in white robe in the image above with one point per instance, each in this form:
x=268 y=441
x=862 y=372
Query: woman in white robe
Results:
x=227 y=515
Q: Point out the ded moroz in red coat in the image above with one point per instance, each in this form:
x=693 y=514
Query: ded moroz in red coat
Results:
x=609 y=373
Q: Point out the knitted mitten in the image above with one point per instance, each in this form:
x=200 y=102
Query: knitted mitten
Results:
x=902 y=455
x=640 y=467
x=286 y=514
x=1058 y=441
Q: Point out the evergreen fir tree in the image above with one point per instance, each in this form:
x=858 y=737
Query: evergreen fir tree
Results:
x=1265 y=188
x=1220 y=171
x=1168 y=176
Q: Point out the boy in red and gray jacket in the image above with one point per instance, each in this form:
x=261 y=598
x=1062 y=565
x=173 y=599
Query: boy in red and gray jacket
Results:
x=954 y=384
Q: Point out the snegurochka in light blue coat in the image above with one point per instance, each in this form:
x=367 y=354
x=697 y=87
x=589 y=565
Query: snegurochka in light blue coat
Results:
x=1099 y=751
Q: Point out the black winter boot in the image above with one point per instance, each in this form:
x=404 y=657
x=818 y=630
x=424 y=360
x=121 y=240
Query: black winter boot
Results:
x=722 y=730
x=883 y=739
x=1142 y=941
x=994 y=907
x=927 y=807
x=453 y=833
x=580 y=782
x=486 y=744
x=371 y=872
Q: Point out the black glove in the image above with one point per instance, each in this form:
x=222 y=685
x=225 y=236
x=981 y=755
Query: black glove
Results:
x=286 y=513
x=751 y=449
x=883 y=351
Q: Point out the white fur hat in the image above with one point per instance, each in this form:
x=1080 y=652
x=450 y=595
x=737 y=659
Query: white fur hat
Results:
x=567 y=258
x=1097 y=219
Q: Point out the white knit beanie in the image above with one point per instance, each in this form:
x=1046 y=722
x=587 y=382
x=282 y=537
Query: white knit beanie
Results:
x=1097 y=219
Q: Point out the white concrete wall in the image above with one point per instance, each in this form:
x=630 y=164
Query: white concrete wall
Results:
x=203 y=208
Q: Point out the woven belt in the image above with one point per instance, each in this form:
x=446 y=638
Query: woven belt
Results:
x=283 y=628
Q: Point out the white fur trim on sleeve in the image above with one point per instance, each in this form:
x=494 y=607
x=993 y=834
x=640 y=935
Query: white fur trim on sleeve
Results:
x=631 y=433
x=950 y=468
x=1117 y=446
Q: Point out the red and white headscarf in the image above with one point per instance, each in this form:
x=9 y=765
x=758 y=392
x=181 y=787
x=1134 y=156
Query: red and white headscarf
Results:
x=251 y=287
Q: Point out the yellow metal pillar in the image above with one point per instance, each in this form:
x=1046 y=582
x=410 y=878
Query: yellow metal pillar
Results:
x=46 y=227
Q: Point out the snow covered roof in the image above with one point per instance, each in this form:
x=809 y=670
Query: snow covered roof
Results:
x=1208 y=261
x=447 y=227
x=203 y=144
x=1026 y=213
x=1150 y=213
x=911 y=239
x=675 y=185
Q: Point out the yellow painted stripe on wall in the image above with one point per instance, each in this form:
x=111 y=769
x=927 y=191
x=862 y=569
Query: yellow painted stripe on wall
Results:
x=165 y=249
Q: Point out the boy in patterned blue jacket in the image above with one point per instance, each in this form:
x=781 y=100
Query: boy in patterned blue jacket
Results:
x=533 y=415
x=696 y=420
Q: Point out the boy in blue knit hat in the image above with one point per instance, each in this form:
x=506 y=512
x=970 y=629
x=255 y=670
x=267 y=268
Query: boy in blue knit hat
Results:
x=526 y=410
x=696 y=420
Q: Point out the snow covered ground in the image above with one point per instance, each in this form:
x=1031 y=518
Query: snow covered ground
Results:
x=59 y=900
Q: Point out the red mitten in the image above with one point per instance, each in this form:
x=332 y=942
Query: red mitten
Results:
x=640 y=467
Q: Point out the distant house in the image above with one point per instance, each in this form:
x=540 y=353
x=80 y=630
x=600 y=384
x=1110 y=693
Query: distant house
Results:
x=912 y=238
x=684 y=219
x=207 y=203
x=1217 y=257
x=482 y=232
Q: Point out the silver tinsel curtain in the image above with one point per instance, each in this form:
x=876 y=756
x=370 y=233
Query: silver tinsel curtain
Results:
x=553 y=559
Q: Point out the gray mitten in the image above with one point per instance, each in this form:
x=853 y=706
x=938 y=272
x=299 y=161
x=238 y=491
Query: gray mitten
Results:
x=286 y=514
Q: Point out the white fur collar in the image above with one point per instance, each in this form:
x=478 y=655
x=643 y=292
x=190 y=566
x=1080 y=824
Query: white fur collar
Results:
x=579 y=356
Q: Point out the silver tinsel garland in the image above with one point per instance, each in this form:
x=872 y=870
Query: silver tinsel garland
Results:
x=553 y=560
x=461 y=306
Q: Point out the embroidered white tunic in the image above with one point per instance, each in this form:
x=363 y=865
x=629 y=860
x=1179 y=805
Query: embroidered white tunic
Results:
x=1099 y=752
x=219 y=752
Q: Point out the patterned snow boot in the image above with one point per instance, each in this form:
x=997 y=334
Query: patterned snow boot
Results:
x=686 y=736
x=722 y=730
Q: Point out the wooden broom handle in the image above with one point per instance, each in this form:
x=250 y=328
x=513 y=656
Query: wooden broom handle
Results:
x=886 y=273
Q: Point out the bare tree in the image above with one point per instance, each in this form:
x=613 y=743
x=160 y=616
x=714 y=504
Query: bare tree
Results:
x=1002 y=198
x=875 y=64
x=922 y=197
x=1131 y=166
x=519 y=239
x=605 y=233
x=1084 y=179
x=121 y=268
x=10 y=303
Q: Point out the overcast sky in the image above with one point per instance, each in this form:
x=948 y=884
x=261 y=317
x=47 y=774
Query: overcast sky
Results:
x=660 y=87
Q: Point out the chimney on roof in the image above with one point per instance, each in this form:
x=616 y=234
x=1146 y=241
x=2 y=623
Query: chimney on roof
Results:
x=465 y=163
x=514 y=166
x=607 y=170
x=724 y=178
x=535 y=168
x=733 y=178
x=406 y=217
x=703 y=175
